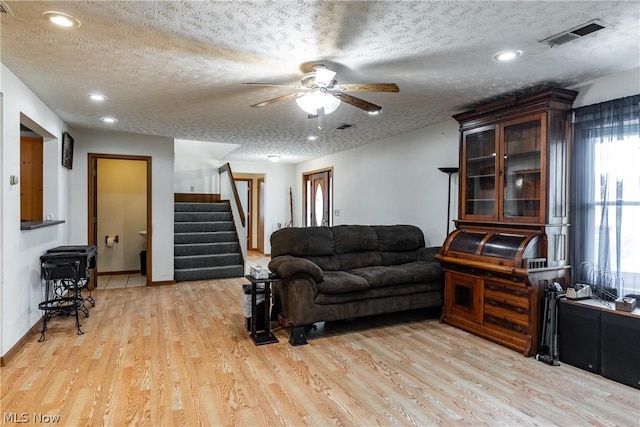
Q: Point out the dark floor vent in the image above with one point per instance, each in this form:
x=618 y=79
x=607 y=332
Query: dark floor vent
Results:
x=5 y=9
x=344 y=126
x=575 y=33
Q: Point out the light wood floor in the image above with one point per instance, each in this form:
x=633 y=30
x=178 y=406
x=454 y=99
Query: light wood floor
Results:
x=180 y=355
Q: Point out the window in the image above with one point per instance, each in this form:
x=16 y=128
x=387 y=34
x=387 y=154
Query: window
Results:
x=605 y=193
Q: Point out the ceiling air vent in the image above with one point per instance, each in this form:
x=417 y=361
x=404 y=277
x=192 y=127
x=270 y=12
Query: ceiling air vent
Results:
x=5 y=9
x=344 y=126
x=575 y=33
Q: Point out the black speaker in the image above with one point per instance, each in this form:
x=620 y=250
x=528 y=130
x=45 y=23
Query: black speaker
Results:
x=579 y=336
x=621 y=348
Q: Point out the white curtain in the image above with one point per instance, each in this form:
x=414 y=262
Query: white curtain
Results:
x=605 y=195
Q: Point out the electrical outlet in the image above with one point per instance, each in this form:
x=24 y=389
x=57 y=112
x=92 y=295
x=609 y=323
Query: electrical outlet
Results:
x=192 y=188
x=336 y=212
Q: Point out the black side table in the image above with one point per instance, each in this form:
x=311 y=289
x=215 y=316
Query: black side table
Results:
x=265 y=336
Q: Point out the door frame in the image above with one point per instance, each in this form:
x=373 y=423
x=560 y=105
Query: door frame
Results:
x=92 y=204
x=305 y=178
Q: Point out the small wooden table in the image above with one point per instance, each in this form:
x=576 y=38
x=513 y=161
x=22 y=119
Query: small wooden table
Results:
x=265 y=336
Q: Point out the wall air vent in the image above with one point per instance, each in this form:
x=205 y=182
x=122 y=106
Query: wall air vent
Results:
x=344 y=126
x=5 y=9
x=575 y=33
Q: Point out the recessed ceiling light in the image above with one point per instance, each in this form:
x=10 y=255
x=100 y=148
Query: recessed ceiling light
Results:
x=312 y=137
x=507 y=55
x=98 y=97
x=273 y=157
x=108 y=119
x=374 y=113
x=61 y=19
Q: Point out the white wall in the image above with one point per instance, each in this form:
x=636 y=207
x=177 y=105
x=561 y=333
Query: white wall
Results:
x=161 y=151
x=393 y=181
x=607 y=88
x=21 y=287
x=278 y=178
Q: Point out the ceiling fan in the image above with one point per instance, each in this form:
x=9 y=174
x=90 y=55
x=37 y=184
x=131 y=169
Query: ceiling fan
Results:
x=319 y=93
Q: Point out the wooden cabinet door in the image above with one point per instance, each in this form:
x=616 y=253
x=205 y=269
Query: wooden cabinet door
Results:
x=463 y=297
x=479 y=182
x=522 y=170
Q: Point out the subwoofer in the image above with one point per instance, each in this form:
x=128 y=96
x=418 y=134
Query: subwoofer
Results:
x=621 y=348
x=579 y=336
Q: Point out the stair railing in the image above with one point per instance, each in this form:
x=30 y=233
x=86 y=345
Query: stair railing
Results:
x=229 y=191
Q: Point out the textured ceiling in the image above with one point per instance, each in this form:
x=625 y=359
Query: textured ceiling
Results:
x=175 y=68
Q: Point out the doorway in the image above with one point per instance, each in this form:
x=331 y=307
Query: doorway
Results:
x=119 y=216
x=317 y=194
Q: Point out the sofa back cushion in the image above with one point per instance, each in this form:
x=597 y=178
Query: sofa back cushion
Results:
x=346 y=247
x=399 y=238
x=302 y=242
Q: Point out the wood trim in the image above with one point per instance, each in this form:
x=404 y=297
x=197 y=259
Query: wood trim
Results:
x=115 y=273
x=162 y=283
x=227 y=168
x=92 y=159
x=305 y=177
x=35 y=329
x=196 y=198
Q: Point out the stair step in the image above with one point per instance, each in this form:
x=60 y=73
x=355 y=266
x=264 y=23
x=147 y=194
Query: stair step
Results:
x=203 y=227
x=201 y=261
x=201 y=207
x=214 y=237
x=202 y=216
x=186 y=249
x=191 y=274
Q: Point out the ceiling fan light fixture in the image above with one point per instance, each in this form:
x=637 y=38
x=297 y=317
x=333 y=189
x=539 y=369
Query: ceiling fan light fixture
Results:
x=316 y=99
x=374 y=113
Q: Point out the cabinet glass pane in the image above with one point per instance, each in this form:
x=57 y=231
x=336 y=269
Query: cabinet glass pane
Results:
x=480 y=172
x=522 y=158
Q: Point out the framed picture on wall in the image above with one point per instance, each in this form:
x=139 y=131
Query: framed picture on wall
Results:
x=67 y=150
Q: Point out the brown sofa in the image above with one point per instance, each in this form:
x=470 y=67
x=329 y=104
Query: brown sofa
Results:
x=350 y=271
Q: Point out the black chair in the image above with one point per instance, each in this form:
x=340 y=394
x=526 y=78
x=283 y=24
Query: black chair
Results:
x=62 y=275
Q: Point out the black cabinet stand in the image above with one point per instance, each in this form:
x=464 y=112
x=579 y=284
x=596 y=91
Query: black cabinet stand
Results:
x=265 y=336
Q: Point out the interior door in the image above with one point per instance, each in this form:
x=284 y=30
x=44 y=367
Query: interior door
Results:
x=318 y=199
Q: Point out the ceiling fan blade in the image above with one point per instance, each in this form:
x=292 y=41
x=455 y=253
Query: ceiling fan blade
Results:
x=369 y=87
x=357 y=102
x=324 y=76
x=280 y=98
x=273 y=84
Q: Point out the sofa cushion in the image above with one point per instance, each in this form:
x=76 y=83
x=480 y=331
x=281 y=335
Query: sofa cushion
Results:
x=434 y=287
x=423 y=271
x=354 y=238
x=395 y=258
x=302 y=242
x=378 y=276
x=336 y=282
x=398 y=238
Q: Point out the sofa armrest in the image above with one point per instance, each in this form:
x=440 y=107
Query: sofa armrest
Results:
x=286 y=266
x=426 y=254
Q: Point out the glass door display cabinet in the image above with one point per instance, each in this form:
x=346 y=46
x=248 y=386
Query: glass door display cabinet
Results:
x=511 y=233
